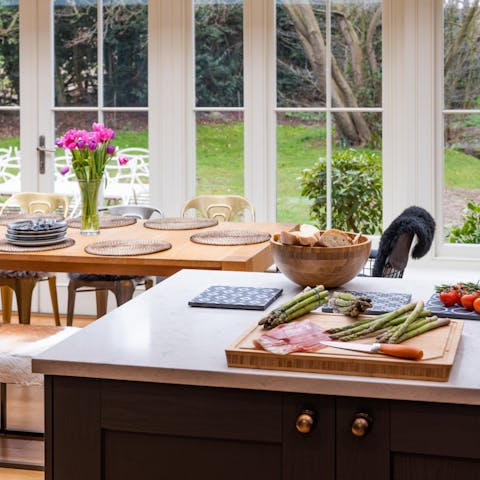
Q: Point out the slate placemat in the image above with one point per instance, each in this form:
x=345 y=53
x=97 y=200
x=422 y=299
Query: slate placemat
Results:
x=225 y=296
x=382 y=302
x=438 y=308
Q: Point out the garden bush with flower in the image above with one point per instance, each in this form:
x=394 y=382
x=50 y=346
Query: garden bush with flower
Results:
x=90 y=151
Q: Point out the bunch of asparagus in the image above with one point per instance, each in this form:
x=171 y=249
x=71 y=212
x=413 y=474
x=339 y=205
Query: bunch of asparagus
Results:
x=349 y=304
x=304 y=302
x=393 y=327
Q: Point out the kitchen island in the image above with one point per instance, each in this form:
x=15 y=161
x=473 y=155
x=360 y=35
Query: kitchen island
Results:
x=145 y=392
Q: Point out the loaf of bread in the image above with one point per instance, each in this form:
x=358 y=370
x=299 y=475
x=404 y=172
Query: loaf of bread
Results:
x=335 y=238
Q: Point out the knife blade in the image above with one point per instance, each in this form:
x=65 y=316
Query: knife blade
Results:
x=393 y=350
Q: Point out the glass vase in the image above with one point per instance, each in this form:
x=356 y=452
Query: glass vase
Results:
x=89 y=190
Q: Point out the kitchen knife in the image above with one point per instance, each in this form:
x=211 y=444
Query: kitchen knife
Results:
x=394 y=350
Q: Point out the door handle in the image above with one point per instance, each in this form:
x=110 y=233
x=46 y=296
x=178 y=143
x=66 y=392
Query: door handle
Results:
x=42 y=149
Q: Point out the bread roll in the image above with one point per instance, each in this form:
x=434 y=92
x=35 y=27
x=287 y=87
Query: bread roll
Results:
x=335 y=238
x=289 y=238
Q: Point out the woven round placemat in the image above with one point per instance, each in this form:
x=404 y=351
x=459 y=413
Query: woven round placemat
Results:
x=127 y=247
x=180 y=223
x=105 y=221
x=8 y=218
x=8 y=247
x=230 y=237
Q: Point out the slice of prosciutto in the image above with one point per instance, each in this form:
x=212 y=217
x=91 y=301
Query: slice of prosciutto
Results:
x=300 y=336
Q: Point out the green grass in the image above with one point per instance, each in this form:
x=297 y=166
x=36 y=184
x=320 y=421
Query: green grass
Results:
x=6 y=142
x=461 y=170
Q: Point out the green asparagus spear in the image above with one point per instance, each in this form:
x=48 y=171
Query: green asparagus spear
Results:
x=410 y=319
x=425 y=328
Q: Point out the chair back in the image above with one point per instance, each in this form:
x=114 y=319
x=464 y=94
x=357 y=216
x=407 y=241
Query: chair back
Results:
x=221 y=207
x=37 y=202
x=136 y=211
x=9 y=171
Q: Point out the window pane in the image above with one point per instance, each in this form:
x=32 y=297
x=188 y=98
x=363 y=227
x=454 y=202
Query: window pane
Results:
x=219 y=53
x=461 y=60
x=10 y=161
x=9 y=52
x=219 y=153
x=462 y=178
x=131 y=140
x=125 y=53
x=357 y=181
x=357 y=53
x=461 y=208
x=300 y=142
x=75 y=23
x=301 y=54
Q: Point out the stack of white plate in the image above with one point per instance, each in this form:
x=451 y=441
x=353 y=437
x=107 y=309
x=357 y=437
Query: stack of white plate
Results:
x=37 y=232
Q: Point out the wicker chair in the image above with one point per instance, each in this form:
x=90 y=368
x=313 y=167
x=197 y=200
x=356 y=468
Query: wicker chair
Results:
x=221 y=207
x=23 y=282
x=122 y=286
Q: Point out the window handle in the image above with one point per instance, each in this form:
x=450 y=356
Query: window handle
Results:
x=42 y=149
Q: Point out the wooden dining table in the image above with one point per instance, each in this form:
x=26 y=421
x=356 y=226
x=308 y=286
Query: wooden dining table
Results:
x=184 y=253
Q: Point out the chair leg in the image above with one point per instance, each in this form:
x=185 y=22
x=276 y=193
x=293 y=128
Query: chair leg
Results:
x=7 y=296
x=123 y=291
x=148 y=283
x=23 y=291
x=102 y=301
x=71 y=302
x=52 y=285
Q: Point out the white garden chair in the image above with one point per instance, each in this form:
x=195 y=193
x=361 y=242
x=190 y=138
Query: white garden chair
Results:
x=9 y=171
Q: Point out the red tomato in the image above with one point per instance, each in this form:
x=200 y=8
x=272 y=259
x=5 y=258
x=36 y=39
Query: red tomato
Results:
x=476 y=305
x=449 y=297
x=468 y=299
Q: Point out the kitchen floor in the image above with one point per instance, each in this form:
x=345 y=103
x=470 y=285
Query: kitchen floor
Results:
x=25 y=412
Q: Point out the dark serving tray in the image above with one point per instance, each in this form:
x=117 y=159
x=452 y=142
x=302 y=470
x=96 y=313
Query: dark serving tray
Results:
x=225 y=296
x=382 y=302
x=438 y=308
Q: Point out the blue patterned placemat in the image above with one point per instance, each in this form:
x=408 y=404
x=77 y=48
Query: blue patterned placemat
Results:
x=438 y=308
x=224 y=296
x=382 y=302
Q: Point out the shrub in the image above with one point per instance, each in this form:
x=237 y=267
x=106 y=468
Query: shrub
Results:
x=356 y=191
x=469 y=232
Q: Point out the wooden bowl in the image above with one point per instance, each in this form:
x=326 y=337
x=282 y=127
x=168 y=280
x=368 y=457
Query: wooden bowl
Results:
x=327 y=266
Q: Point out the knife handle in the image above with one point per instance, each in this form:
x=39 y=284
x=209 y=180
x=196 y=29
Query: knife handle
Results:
x=402 y=351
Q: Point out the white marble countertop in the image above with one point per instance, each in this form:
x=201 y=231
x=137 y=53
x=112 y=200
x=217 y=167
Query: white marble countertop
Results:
x=157 y=337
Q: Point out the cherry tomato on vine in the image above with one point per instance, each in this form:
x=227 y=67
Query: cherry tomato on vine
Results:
x=449 y=297
x=476 y=305
x=468 y=299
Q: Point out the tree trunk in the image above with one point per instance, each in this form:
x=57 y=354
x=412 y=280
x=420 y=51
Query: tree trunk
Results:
x=351 y=125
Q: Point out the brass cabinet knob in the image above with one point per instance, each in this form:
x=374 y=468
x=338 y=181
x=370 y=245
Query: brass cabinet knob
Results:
x=305 y=421
x=361 y=424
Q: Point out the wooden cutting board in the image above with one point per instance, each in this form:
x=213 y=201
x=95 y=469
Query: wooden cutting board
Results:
x=439 y=348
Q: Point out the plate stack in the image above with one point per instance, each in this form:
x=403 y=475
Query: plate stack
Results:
x=37 y=232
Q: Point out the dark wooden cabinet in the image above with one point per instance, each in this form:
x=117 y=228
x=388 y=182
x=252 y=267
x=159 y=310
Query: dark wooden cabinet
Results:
x=115 y=430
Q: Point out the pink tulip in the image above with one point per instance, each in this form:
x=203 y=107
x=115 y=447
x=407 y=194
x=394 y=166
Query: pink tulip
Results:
x=64 y=170
x=92 y=145
x=122 y=160
x=110 y=149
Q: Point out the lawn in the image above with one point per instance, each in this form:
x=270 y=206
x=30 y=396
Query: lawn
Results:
x=220 y=162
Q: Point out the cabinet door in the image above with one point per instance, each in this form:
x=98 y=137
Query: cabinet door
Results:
x=365 y=454
x=174 y=431
x=309 y=455
x=435 y=441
